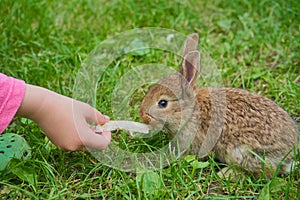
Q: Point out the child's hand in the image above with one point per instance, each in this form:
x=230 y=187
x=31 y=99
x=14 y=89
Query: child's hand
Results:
x=64 y=120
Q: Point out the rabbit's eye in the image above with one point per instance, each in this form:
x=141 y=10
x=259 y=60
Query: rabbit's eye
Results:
x=162 y=103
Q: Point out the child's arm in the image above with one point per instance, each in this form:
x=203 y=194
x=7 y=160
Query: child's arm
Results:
x=11 y=95
x=64 y=120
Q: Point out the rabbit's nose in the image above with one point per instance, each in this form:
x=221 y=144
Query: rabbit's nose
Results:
x=146 y=119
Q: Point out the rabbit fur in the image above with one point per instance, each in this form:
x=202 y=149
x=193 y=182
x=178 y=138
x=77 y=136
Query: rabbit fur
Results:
x=239 y=127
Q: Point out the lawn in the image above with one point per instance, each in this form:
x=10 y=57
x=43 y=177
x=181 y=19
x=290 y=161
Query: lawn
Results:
x=254 y=44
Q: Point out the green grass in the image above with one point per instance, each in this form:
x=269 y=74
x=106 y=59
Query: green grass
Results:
x=254 y=43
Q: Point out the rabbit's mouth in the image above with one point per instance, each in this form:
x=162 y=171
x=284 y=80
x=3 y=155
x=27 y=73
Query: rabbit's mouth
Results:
x=155 y=123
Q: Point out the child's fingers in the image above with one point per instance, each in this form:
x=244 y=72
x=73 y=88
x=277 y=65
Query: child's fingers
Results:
x=107 y=134
x=94 y=116
x=88 y=137
x=91 y=140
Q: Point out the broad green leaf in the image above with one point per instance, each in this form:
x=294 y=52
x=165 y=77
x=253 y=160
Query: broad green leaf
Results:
x=25 y=173
x=265 y=193
x=150 y=182
x=273 y=186
x=199 y=165
x=277 y=184
x=190 y=158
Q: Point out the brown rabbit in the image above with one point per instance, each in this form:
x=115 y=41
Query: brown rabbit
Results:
x=237 y=126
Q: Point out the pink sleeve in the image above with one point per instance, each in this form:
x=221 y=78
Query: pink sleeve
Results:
x=11 y=96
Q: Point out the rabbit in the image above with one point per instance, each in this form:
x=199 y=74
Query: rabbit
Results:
x=237 y=126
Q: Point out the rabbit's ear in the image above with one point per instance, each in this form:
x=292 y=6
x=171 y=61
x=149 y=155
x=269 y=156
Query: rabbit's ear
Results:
x=190 y=67
x=191 y=44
